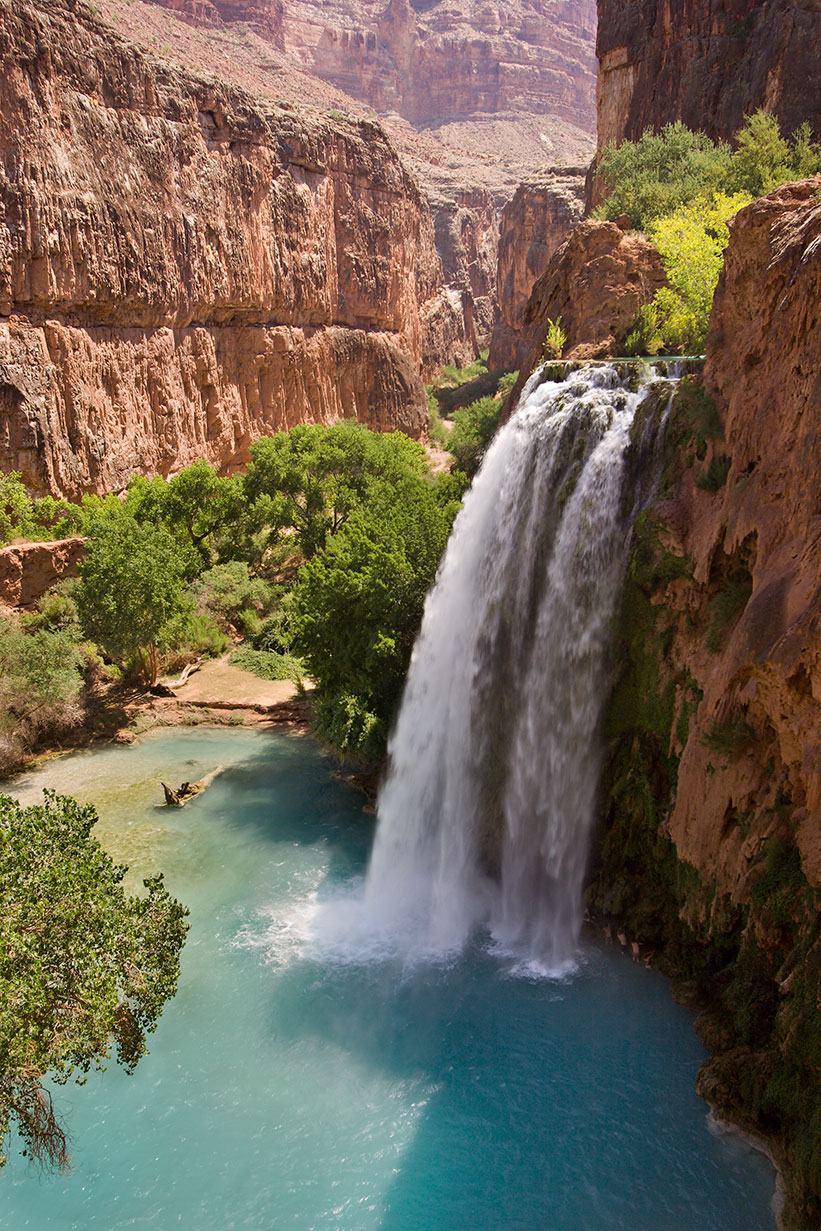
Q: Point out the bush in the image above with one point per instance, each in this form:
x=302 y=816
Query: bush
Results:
x=763 y=159
x=691 y=243
x=555 y=339
x=268 y=664
x=233 y=597
x=473 y=429
x=661 y=172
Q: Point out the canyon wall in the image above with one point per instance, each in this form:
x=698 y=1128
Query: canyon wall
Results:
x=435 y=63
x=534 y=224
x=705 y=62
x=711 y=852
x=182 y=270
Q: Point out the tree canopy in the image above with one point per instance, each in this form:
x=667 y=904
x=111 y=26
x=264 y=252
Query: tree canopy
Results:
x=357 y=606
x=132 y=587
x=304 y=484
x=84 y=969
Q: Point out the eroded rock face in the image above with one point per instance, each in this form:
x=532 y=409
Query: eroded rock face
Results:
x=467 y=240
x=706 y=62
x=594 y=284
x=437 y=62
x=534 y=225
x=182 y=270
x=28 y=570
x=763 y=370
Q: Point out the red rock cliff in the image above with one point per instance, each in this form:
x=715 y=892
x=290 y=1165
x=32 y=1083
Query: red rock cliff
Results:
x=182 y=270
x=706 y=62
x=535 y=223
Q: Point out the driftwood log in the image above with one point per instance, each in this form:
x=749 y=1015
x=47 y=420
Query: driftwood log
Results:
x=189 y=790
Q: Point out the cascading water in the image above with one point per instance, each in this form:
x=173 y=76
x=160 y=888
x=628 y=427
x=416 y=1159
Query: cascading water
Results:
x=486 y=813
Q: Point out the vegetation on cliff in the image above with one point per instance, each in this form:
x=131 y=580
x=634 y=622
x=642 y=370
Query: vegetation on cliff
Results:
x=682 y=188
x=84 y=969
x=748 y=957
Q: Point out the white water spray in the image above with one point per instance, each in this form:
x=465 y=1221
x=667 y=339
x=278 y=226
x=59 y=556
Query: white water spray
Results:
x=486 y=813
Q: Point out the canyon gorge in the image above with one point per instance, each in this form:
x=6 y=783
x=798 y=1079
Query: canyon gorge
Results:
x=223 y=218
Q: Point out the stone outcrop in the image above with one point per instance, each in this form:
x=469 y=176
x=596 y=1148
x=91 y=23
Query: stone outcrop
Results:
x=594 y=284
x=435 y=63
x=763 y=371
x=182 y=269
x=712 y=851
x=705 y=62
x=534 y=224
x=28 y=570
x=467 y=239
x=266 y=15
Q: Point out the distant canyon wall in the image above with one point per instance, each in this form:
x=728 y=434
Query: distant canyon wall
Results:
x=705 y=62
x=534 y=225
x=433 y=62
x=182 y=270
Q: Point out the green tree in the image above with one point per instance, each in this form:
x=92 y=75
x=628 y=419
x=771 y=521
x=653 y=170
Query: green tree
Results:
x=660 y=172
x=763 y=159
x=17 y=519
x=199 y=507
x=357 y=606
x=473 y=430
x=304 y=484
x=691 y=243
x=132 y=586
x=83 y=968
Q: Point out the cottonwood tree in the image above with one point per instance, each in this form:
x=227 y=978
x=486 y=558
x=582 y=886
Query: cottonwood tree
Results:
x=133 y=584
x=84 y=970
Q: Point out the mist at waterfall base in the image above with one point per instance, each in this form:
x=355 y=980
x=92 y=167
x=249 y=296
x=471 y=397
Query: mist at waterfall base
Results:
x=486 y=814
x=285 y=1088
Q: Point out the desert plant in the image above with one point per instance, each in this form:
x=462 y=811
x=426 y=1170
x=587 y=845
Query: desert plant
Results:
x=555 y=339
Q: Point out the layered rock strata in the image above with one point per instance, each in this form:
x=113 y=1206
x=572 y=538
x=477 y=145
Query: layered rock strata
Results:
x=29 y=570
x=435 y=63
x=713 y=796
x=534 y=224
x=467 y=239
x=594 y=285
x=182 y=270
x=706 y=62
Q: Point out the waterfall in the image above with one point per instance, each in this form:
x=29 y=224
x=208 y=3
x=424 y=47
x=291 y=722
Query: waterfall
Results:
x=486 y=812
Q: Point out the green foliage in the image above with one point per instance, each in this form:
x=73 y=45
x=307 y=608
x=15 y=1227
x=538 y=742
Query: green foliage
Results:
x=358 y=605
x=763 y=159
x=691 y=242
x=268 y=664
x=198 y=507
x=643 y=337
x=473 y=430
x=235 y=598
x=656 y=175
x=715 y=476
x=555 y=339
x=303 y=485
x=132 y=587
x=17 y=519
x=84 y=970
x=729 y=738
x=725 y=607
x=506 y=382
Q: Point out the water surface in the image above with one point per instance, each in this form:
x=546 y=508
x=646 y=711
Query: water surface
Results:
x=289 y=1087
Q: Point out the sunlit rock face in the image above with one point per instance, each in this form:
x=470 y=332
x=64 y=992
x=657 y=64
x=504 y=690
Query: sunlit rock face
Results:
x=763 y=370
x=183 y=268
x=534 y=224
x=706 y=62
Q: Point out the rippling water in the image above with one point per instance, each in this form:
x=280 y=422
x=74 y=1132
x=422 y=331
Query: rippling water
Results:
x=295 y=1083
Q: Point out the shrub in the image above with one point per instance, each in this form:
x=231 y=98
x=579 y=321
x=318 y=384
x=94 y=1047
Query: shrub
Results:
x=691 y=243
x=268 y=664
x=555 y=339
x=473 y=430
x=233 y=597
x=715 y=476
x=659 y=173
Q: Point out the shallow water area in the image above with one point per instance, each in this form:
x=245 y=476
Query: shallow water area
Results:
x=299 y=1081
